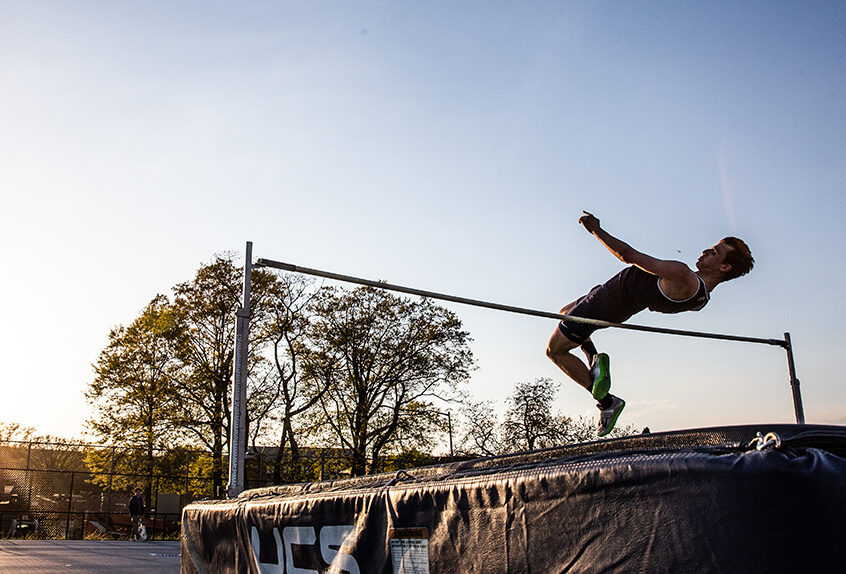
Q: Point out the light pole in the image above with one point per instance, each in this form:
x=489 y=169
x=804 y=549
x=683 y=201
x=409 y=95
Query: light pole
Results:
x=449 y=426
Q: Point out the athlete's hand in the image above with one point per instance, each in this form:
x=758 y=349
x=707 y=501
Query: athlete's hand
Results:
x=590 y=222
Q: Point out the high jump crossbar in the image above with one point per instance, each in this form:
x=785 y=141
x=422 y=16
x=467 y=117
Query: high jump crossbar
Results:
x=784 y=343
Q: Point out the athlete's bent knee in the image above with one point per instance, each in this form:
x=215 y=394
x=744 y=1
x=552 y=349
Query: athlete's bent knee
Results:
x=559 y=345
x=555 y=348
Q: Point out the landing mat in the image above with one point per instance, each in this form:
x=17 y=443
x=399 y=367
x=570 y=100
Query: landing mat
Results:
x=705 y=500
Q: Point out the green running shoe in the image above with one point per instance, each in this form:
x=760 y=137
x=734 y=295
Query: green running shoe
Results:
x=600 y=374
x=608 y=417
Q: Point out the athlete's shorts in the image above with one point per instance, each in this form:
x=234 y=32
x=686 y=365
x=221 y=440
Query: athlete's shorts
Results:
x=595 y=305
x=578 y=332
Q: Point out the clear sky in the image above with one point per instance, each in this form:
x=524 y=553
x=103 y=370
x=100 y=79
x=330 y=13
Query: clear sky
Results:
x=449 y=146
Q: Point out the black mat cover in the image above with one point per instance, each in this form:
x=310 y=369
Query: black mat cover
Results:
x=691 y=501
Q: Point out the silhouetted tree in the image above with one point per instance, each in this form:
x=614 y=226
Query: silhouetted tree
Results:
x=383 y=357
x=285 y=332
x=481 y=430
x=529 y=423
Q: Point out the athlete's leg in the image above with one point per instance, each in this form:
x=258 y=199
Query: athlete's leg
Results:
x=589 y=349
x=596 y=380
x=558 y=350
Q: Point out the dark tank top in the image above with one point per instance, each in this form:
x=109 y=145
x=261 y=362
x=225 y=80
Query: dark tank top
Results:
x=632 y=290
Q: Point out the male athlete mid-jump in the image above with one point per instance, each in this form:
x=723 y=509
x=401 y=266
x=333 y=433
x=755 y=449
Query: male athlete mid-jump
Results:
x=657 y=284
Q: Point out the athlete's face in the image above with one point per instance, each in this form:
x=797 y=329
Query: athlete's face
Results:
x=713 y=258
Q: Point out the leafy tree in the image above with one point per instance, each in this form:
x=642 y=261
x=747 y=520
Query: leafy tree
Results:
x=381 y=357
x=168 y=375
x=206 y=308
x=133 y=392
x=529 y=422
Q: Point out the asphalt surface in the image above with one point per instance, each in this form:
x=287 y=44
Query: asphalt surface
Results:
x=94 y=557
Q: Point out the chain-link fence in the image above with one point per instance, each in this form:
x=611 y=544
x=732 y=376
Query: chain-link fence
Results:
x=267 y=466
x=76 y=491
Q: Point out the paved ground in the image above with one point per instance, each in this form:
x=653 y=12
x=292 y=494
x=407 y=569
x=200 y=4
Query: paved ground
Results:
x=84 y=557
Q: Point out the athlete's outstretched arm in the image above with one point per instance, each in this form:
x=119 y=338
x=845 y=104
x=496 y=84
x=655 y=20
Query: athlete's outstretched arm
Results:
x=674 y=271
x=621 y=250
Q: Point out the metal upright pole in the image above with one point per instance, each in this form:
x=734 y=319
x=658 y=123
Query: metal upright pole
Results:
x=794 y=382
x=237 y=435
